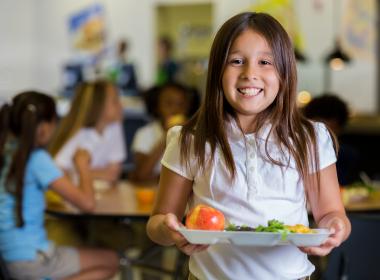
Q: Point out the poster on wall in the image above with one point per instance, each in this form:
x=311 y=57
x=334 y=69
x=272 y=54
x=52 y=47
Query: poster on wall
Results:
x=359 y=28
x=87 y=30
x=88 y=44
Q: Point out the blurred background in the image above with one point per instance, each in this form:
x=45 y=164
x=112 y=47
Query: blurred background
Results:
x=39 y=38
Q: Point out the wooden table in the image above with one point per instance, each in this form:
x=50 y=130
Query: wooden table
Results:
x=120 y=202
x=366 y=205
x=111 y=202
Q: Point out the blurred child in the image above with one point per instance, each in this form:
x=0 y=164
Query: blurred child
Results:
x=333 y=111
x=170 y=104
x=122 y=71
x=94 y=124
x=249 y=153
x=27 y=171
x=168 y=68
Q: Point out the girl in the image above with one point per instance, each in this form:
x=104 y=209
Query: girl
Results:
x=249 y=153
x=26 y=172
x=167 y=104
x=94 y=124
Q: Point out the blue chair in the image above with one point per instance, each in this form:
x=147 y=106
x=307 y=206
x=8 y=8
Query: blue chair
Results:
x=357 y=258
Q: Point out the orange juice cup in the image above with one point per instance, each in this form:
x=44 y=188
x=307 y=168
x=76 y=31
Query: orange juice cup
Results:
x=145 y=195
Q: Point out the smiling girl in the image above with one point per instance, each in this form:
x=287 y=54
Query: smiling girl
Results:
x=250 y=154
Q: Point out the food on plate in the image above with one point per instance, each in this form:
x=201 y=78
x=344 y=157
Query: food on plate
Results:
x=273 y=226
x=355 y=193
x=204 y=217
x=232 y=227
x=298 y=228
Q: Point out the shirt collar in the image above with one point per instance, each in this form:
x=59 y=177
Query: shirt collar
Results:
x=235 y=134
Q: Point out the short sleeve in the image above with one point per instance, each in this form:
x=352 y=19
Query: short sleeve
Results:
x=142 y=141
x=117 y=150
x=64 y=157
x=44 y=169
x=172 y=155
x=326 y=151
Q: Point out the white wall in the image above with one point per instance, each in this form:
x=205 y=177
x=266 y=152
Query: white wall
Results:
x=16 y=46
x=35 y=43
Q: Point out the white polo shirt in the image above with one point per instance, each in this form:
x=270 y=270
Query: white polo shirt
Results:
x=260 y=192
x=105 y=148
x=146 y=138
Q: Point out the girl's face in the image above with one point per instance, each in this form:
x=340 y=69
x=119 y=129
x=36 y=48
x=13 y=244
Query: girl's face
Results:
x=112 y=110
x=250 y=81
x=172 y=102
x=44 y=132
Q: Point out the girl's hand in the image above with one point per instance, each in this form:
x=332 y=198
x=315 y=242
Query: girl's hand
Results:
x=171 y=226
x=82 y=159
x=338 y=233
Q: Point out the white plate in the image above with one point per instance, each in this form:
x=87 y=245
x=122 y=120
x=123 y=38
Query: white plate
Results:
x=249 y=238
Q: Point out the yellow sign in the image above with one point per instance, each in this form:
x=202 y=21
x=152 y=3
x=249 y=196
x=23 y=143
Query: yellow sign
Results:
x=284 y=12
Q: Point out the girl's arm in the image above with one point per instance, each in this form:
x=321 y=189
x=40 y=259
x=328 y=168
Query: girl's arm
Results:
x=174 y=192
x=145 y=163
x=328 y=210
x=82 y=196
x=110 y=173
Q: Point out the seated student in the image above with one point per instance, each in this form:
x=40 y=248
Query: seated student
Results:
x=26 y=172
x=170 y=104
x=333 y=111
x=94 y=124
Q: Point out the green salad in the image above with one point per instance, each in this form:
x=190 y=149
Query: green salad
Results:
x=273 y=226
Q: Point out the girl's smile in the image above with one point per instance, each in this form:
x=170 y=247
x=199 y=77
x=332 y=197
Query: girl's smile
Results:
x=250 y=91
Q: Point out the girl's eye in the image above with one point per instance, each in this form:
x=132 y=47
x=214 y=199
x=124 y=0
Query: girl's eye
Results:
x=265 y=62
x=236 y=61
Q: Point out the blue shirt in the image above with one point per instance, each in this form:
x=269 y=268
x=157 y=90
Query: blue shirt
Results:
x=22 y=243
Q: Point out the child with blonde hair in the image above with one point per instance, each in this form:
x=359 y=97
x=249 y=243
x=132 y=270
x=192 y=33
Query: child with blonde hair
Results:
x=94 y=124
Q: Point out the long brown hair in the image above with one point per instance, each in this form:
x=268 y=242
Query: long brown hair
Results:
x=86 y=109
x=18 y=123
x=291 y=130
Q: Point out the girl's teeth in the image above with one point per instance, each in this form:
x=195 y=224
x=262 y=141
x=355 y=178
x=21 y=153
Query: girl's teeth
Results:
x=250 y=91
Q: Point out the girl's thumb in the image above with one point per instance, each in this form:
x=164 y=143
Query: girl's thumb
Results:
x=172 y=222
x=336 y=226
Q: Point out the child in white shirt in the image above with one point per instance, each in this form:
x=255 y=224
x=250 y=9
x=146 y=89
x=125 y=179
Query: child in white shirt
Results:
x=170 y=104
x=250 y=154
x=93 y=124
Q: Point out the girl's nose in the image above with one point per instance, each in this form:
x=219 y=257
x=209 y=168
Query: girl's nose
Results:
x=249 y=72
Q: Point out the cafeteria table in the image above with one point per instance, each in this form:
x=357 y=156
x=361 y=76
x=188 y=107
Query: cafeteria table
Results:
x=120 y=202
x=370 y=204
x=111 y=202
